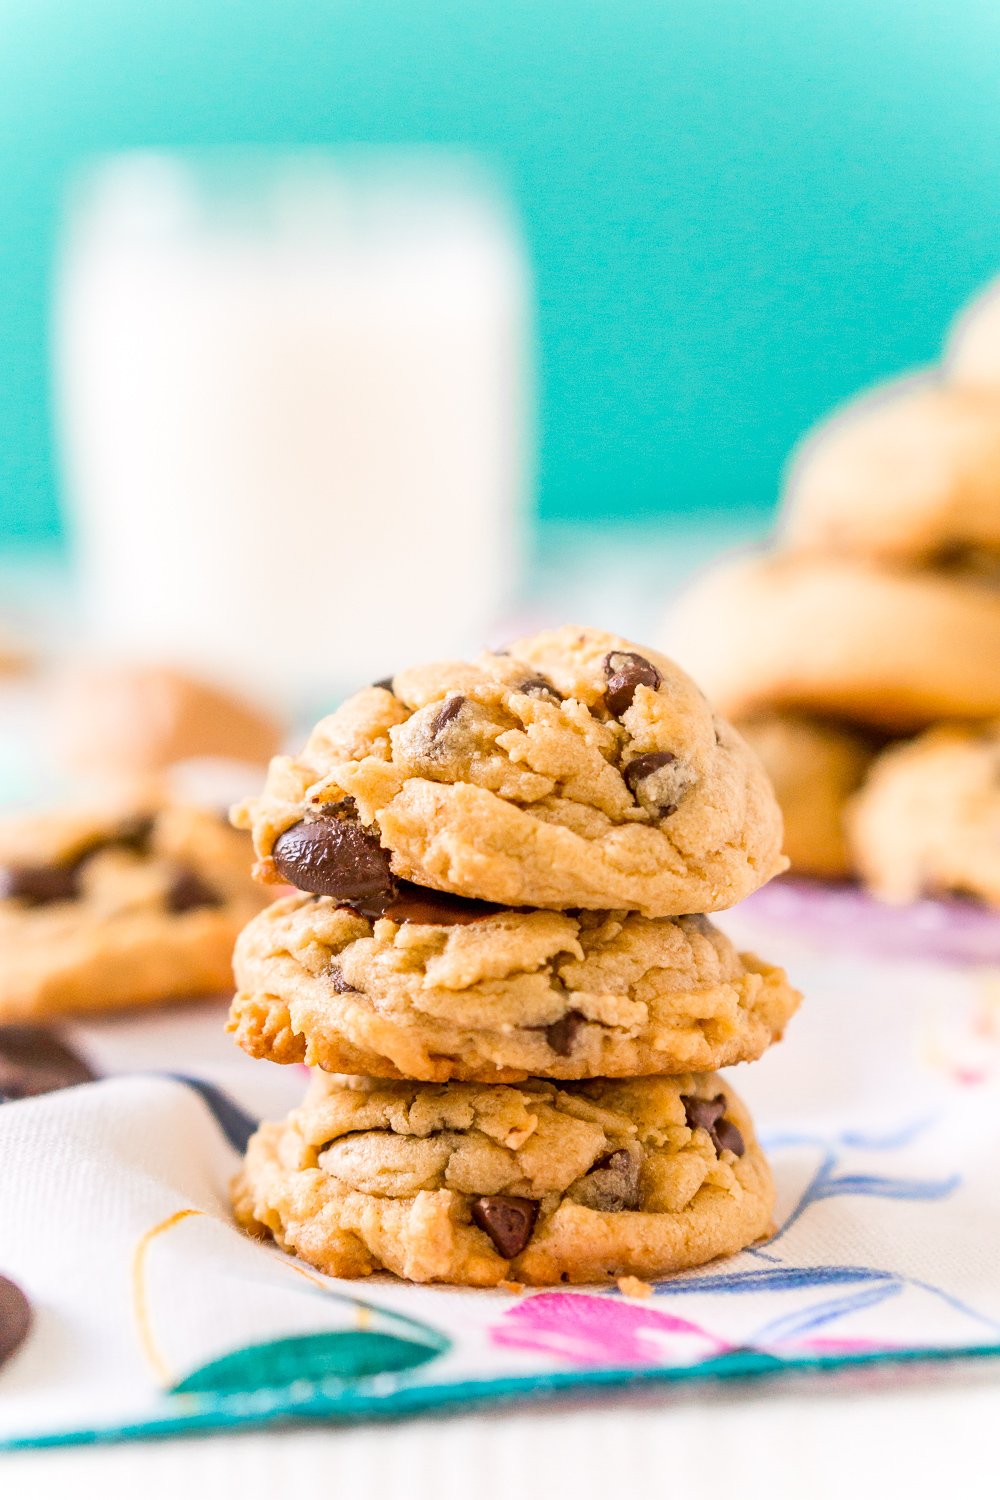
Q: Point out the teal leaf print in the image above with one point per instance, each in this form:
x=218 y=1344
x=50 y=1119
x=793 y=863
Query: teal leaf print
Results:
x=343 y=1354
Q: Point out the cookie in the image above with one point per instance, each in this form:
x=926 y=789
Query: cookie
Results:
x=909 y=474
x=972 y=351
x=577 y=770
x=840 y=638
x=135 y=718
x=478 y=1184
x=119 y=907
x=927 y=821
x=815 y=766
x=446 y=993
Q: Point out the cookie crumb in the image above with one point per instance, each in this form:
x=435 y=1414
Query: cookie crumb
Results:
x=631 y=1286
x=514 y=1287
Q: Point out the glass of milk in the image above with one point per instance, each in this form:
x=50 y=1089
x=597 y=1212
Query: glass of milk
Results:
x=294 y=408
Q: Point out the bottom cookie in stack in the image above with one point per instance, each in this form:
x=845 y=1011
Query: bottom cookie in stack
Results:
x=536 y=1183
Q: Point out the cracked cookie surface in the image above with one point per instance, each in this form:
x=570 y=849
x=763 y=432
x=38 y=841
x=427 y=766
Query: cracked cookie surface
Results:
x=118 y=907
x=577 y=770
x=927 y=821
x=474 y=1184
x=503 y=997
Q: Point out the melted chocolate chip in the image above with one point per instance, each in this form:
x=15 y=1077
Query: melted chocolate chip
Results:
x=562 y=1034
x=385 y=683
x=702 y=1114
x=15 y=1318
x=338 y=983
x=707 y=1114
x=612 y=1184
x=540 y=687
x=450 y=709
x=626 y=671
x=34 y=1061
x=187 y=891
x=415 y=903
x=728 y=1138
x=337 y=856
x=40 y=885
x=507 y=1221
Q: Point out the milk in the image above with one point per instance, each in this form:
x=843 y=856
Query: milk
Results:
x=295 y=416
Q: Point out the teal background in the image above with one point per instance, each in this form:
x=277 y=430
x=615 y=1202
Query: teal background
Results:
x=738 y=211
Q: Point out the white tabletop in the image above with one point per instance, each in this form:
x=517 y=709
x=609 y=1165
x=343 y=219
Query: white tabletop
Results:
x=902 y=1435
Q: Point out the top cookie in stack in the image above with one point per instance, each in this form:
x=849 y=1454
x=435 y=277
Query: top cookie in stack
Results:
x=499 y=861
x=876 y=616
x=503 y=868
x=571 y=771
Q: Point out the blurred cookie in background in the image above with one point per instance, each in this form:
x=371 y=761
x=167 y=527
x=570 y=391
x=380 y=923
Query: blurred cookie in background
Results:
x=15 y=658
x=815 y=767
x=908 y=473
x=927 y=821
x=972 y=350
x=128 y=904
x=841 y=638
x=133 y=718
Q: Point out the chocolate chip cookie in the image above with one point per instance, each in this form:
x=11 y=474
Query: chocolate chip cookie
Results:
x=538 y=1183
x=841 y=638
x=909 y=473
x=438 y=989
x=927 y=821
x=574 y=771
x=972 y=351
x=815 y=766
x=118 y=907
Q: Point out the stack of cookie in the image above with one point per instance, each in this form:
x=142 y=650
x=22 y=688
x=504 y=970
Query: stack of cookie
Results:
x=491 y=964
x=861 y=654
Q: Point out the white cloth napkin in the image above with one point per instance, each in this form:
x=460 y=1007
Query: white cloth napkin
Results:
x=153 y=1313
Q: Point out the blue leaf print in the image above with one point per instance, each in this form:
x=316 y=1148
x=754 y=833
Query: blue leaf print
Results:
x=804 y=1320
x=868 y=1186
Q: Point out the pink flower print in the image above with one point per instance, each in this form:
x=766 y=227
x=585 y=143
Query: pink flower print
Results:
x=604 y=1331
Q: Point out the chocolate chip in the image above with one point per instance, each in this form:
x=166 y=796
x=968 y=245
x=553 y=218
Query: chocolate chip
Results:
x=658 y=781
x=450 y=709
x=707 y=1114
x=345 y=808
x=385 y=683
x=415 y=903
x=540 y=687
x=507 y=1221
x=335 y=855
x=702 y=1114
x=562 y=1034
x=612 y=1184
x=626 y=671
x=187 y=891
x=34 y=1061
x=15 y=1318
x=338 y=983
x=133 y=833
x=728 y=1138
x=641 y=766
x=39 y=885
